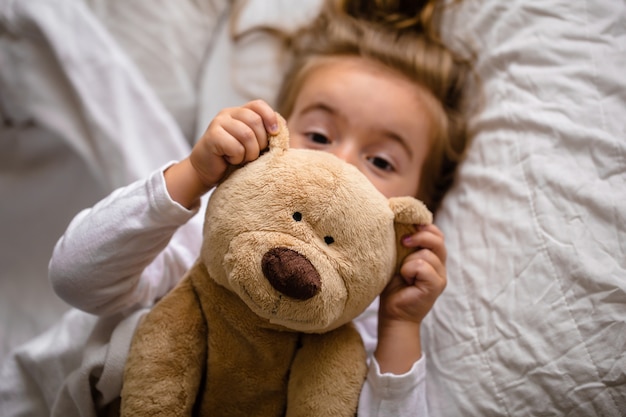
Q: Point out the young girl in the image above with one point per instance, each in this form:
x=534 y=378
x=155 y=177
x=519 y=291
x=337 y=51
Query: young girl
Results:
x=369 y=83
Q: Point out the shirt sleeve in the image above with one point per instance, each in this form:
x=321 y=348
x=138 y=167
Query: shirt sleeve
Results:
x=127 y=251
x=394 y=395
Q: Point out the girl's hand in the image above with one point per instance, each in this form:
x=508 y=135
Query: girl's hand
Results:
x=410 y=295
x=235 y=136
x=407 y=299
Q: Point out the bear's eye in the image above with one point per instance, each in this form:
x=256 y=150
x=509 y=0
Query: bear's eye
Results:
x=297 y=216
x=329 y=240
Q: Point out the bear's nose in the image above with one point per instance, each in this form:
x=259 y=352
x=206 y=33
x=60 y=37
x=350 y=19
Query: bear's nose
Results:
x=291 y=273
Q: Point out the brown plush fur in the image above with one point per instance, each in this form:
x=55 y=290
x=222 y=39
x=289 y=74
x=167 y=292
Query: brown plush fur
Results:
x=296 y=245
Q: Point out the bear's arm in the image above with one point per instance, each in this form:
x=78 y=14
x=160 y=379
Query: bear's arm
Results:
x=166 y=361
x=327 y=374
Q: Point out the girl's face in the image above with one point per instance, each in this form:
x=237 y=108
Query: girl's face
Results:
x=369 y=116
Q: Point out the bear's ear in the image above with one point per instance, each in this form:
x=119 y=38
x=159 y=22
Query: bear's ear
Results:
x=408 y=213
x=280 y=142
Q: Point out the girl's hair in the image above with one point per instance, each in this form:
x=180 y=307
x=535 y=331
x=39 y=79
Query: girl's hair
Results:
x=402 y=35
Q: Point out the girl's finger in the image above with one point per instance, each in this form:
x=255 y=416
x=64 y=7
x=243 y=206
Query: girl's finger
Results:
x=423 y=275
x=231 y=139
x=268 y=115
x=429 y=257
x=428 y=237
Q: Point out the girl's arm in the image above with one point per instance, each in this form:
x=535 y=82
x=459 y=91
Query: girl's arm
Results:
x=388 y=394
x=407 y=299
x=396 y=380
x=127 y=251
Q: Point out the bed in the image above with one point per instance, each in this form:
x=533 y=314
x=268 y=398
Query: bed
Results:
x=533 y=321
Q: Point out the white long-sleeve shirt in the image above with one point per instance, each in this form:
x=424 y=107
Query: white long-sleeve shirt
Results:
x=134 y=246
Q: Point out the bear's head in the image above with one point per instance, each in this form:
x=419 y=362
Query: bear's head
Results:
x=303 y=238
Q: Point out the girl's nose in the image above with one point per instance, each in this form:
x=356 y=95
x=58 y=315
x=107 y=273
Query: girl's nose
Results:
x=347 y=152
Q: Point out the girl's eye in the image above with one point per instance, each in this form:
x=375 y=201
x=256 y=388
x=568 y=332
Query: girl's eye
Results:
x=381 y=163
x=318 y=138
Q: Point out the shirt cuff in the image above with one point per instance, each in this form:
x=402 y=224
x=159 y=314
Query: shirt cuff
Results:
x=391 y=386
x=163 y=206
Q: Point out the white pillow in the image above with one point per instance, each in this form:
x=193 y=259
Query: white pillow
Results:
x=533 y=321
x=169 y=42
x=202 y=56
x=248 y=58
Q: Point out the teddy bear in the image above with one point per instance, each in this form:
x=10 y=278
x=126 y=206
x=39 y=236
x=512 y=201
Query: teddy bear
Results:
x=296 y=244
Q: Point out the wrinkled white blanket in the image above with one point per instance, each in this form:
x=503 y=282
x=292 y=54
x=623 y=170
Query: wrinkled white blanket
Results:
x=73 y=369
